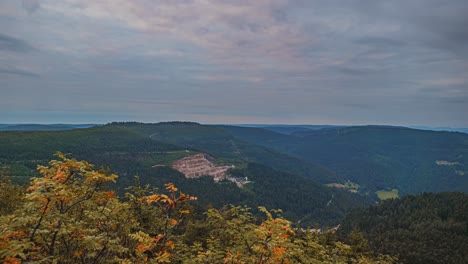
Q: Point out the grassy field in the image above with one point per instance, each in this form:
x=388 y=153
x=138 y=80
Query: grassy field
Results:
x=383 y=194
x=350 y=186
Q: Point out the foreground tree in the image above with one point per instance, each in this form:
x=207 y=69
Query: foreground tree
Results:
x=68 y=216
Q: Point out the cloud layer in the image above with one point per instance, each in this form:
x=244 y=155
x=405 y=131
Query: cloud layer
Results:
x=235 y=61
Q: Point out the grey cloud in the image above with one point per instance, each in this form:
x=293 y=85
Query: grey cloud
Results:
x=380 y=41
x=355 y=71
x=448 y=21
x=31 y=5
x=15 y=71
x=9 y=43
x=456 y=100
x=358 y=105
x=431 y=23
x=150 y=102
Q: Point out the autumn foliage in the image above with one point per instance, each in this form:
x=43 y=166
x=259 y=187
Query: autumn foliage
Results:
x=68 y=215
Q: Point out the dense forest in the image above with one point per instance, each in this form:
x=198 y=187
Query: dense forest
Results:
x=422 y=229
x=377 y=157
x=69 y=215
x=128 y=150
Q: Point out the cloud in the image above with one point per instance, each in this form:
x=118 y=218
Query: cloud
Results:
x=229 y=31
x=19 y=72
x=31 y=5
x=445 y=25
x=380 y=42
x=8 y=43
x=355 y=71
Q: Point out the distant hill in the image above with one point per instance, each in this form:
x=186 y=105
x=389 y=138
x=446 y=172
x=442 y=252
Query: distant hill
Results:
x=427 y=228
x=218 y=141
x=39 y=127
x=448 y=129
x=283 y=129
x=289 y=129
x=124 y=150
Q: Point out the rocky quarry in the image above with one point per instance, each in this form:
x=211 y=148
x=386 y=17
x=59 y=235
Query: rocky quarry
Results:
x=199 y=165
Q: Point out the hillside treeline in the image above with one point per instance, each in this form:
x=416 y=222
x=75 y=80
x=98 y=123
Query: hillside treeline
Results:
x=422 y=229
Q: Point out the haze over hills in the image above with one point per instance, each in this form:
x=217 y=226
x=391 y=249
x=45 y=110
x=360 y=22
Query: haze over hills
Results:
x=280 y=128
x=289 y=129
x=43 y=127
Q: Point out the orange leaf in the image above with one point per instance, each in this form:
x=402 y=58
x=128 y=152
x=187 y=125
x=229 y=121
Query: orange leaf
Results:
x=109 y=194
x=279 y=251
x=170 y=244
x=11 y=260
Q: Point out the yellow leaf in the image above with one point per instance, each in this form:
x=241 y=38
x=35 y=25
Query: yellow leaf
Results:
x=170 y=187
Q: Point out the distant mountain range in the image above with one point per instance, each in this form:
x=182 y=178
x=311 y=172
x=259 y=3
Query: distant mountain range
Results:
x=280 y=128
x=43 y=127
x=450 y=129
x=289 y=129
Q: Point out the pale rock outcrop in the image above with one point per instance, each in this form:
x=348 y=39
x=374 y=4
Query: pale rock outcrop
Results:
x=199 y=165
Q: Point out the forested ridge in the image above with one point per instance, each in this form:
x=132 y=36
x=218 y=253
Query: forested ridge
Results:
x=419 y=229
x=131 y=149
x=377 y=157
x=69 y=215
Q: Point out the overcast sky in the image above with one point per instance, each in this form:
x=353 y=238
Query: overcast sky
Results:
x=399 y=62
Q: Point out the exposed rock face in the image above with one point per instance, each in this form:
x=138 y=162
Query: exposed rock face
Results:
x=198 y=165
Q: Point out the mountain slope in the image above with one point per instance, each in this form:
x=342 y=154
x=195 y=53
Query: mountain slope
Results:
x=427 y=228
x=379 y=157
x=121 y=148
x=220 y=142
